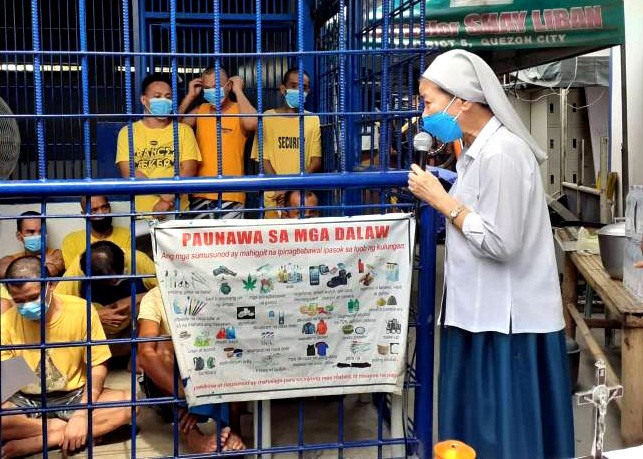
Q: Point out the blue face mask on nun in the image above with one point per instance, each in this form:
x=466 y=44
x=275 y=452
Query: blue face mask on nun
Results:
x=443 y=125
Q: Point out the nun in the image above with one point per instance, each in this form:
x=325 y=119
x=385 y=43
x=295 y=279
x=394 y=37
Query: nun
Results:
x=504 y=385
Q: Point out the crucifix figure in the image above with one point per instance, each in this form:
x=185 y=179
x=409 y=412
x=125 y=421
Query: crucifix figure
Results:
x=599 y=396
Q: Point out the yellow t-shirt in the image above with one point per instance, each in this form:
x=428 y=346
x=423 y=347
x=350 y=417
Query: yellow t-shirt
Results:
x=154 y=155
x=4 y=294
x=66 y=366
x=281 y=145
x=151 y=308
x=281 y=141
x=144 y=265
x=75 y=243
x=233 y=142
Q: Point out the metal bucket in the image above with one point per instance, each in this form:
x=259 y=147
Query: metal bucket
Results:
x=611 y=241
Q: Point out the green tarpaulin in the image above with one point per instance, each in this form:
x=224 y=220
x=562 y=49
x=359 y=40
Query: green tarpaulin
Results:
x=520 y=24
x=513 y=33
x=521 y=33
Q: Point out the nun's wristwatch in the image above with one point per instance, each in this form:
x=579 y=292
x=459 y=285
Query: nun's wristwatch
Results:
x=453 y=214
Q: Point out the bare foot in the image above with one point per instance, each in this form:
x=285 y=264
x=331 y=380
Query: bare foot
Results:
x=197 y=442
x=233 y=441
x=32 y=445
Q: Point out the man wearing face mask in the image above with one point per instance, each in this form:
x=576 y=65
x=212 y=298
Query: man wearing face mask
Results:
x=153 y=148
x=65 y=320
x=112 y=297
x=101 y=229
x=281 y=142
x=234 y=133
x=29 y=229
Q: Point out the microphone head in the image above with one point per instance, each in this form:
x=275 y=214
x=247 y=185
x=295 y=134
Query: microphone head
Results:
x=422 y=141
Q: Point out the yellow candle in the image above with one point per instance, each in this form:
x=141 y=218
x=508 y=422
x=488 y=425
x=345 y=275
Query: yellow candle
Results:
x=453 y=449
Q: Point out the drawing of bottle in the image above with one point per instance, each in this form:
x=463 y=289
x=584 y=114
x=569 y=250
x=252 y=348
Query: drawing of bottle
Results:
x=281 y=318
x=360 y=265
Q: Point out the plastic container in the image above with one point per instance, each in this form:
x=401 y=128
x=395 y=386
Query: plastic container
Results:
x=634 y=212
x=633 y=277
x=632 y=253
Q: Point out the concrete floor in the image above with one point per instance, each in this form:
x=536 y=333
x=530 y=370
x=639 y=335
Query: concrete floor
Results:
x=321 y=426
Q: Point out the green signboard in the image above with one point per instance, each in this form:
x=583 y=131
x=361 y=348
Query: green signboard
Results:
x=521 y=24
x=493 y=25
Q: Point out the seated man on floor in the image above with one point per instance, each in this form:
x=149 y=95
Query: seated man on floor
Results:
x=101 y=229
x=65 y=320
x=29 y=227
x=112 y=297
x=156 y=359
x=292 y=199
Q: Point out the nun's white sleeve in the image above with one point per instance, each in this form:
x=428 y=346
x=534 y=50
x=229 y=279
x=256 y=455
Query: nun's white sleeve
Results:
x=495 y=226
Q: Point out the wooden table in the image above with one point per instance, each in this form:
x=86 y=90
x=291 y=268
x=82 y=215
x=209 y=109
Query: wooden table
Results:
x=625 y=312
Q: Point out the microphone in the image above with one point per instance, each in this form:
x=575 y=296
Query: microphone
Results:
x=422 y=145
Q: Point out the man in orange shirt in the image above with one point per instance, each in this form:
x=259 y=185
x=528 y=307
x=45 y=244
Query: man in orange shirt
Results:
x=234 y=132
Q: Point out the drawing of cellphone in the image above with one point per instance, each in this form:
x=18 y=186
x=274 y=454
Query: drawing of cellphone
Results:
x=313 y=274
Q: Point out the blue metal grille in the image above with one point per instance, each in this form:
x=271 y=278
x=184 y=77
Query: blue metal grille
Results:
x=68 y=73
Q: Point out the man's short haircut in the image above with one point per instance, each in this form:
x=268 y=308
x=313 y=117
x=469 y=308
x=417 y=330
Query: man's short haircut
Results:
x=153 y=78
x=289 y=193
x=210 y=70
x=106 y=259
x=294 y=70
x=27 y=267
x=26 y=216
x=85 y=199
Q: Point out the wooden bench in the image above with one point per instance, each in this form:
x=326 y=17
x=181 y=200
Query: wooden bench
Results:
x=623 y=311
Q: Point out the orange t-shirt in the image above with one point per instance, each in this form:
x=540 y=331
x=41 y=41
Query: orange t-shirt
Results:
x=233 y=141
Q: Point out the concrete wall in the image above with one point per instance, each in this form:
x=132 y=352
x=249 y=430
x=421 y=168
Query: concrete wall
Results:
x=634 y=70
x=57 y=228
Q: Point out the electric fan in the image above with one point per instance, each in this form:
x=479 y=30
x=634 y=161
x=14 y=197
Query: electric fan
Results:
x=9 y=141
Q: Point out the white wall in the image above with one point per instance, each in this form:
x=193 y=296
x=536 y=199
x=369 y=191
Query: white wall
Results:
x=57 y=228
x=634 y=69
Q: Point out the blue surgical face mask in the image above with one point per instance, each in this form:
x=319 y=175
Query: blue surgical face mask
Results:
x=160 y=106
x=214 y=95
x=31 y=310
x=443 y=125
x=292 y=97
x=33 y=243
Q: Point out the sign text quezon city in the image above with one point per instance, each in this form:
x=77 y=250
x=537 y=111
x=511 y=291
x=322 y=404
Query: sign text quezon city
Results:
x=516 y=27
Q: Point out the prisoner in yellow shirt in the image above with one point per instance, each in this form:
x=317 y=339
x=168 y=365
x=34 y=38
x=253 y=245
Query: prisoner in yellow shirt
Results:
x=76 y=243
x=66 y=366
x=144 y=265
x=281 y=145
x=154 y=155
x=151 y=308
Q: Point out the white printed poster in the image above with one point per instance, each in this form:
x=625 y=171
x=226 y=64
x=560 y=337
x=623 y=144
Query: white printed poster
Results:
x=264 y=309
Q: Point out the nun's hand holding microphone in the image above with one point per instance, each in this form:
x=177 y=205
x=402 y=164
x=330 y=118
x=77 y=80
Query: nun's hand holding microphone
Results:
x=426 y=186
